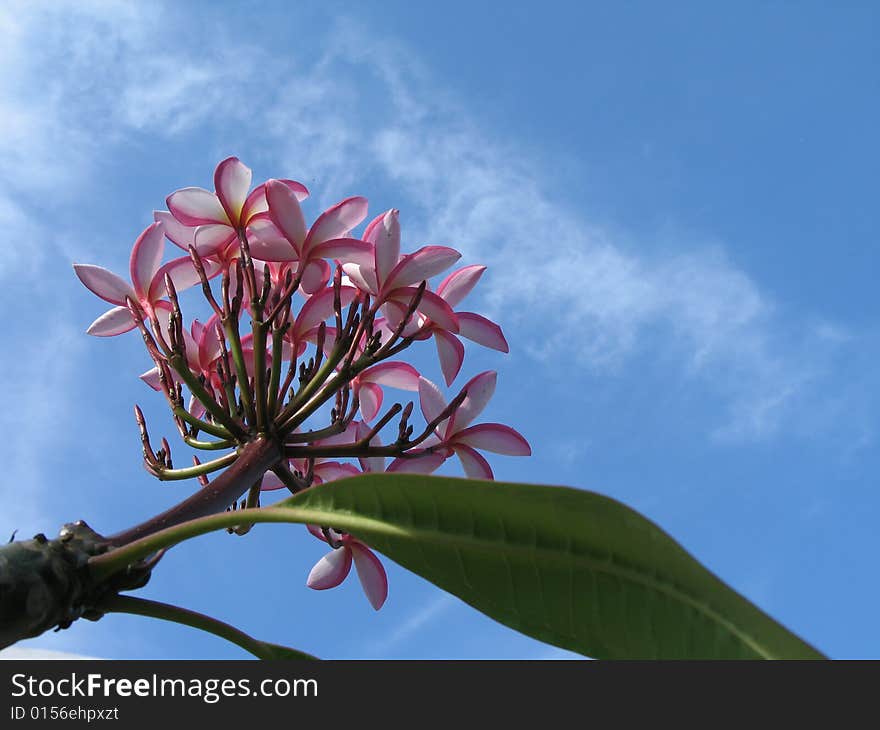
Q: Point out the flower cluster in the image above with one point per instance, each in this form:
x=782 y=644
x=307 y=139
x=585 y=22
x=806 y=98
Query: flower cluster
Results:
x=329 y=311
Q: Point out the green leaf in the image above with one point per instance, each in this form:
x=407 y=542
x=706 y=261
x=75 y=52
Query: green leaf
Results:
x=566 y=566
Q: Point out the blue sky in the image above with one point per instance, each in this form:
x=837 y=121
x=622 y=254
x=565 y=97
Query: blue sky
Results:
x=678 y=208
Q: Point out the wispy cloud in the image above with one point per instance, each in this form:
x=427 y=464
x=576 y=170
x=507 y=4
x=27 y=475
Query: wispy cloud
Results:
x=410 y=628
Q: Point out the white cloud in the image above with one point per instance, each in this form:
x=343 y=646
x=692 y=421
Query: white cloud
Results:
x=431 y=610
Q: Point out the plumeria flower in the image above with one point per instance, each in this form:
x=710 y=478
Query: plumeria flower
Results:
x=335 y=566
x=283 y=225
x=392 y=278
x=474 y=327
x=147 y=286
x=455 y=435
x=211 y=221
x=367 y=385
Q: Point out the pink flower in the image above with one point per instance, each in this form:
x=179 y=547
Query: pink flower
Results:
x=147 y=282
x=455 y=435
x=474 y=327
x=368 y=384
x=211 y=221
x=283 y=225
x=335 y=566
x=392 y=278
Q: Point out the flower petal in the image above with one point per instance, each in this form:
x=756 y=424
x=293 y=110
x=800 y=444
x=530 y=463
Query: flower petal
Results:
x=146 y=258
x=113 y=322
x=451 y=354
x=425 y=464
x=183 y=274
x=232 y=180
x=372 y=575
x=151 y=378
x=393 y=374
x=386 y=238
x=421 y=265
x=347 y=250
x=315 y=276
x=363 y=277
x=336 y=222
x=370 y=398
x=330 y=570
x=107 y=285
x=479 y=389
x=494 y=437
x=285 y=212
x=433 y=307
x=430 y=399
x=474 y=465
x=482 y=331
x=212 y=239
x=458 y=284
x=196 y=207
x=175 y=231
x=319 y=307
x=330 y=471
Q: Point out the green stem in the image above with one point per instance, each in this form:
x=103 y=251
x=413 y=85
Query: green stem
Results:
x=179 y=364
x=113 y=561
x=275 y=377
x=211 y=428
x=232 y=335
x=168 y=475
x=167 y=612
x=208 y=445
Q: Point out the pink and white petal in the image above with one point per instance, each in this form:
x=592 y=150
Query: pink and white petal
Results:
x=151 y=378
x=363 y=277
x=459 y=284
x=286 y=213
x=479 y=389
x=393 y=374
x=254 y=204
x=371 y=574
x=349 y=436
x=336 y=222
x=451 y=354
x=372 y=229
x=482 y=331
x=474 y=465
x=346 y=250
x=175 y=231
x=433 y=307
x=196 y=207
x=183 y=275
x=330 y=471
x=494 y=437
x=274 y=250
x=315 y=276
x=319 y=307
x=232 y=180
x=113 y=322
x=373 y=464
x=330 y=570
x=426 y=464
x=271 y=483
x=212 y=239
x=146 y=258
x=196 y=407
x=416 y=267
x=316 y=532
x=386 y=238
x=107 y=285
x=299 y=190
x=431 y=399
x=370 y=398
